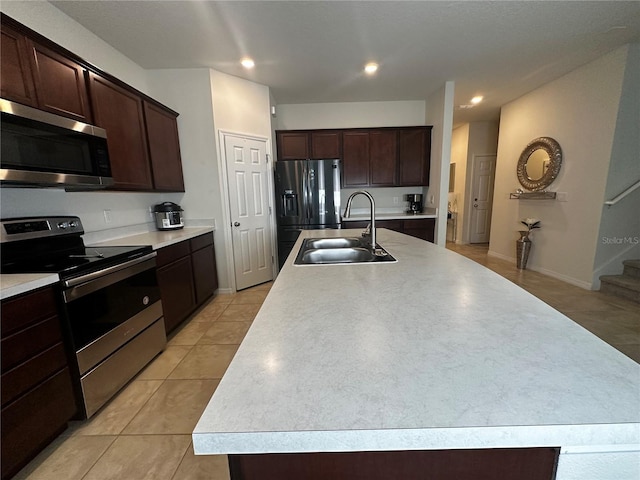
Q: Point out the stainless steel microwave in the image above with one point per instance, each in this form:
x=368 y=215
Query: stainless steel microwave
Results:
x=42 y=149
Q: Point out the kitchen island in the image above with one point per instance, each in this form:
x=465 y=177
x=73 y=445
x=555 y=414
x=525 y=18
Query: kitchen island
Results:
x=432 y=353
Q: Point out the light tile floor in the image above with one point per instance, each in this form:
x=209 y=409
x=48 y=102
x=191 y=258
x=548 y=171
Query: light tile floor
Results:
x=144 y=432
x=614 y=320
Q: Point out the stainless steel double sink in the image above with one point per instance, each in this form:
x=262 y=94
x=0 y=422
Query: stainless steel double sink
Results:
x=322 y=251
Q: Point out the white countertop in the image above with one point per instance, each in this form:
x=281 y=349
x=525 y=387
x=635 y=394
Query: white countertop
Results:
x=157 y=239
x=432 y=352
x=15 y=284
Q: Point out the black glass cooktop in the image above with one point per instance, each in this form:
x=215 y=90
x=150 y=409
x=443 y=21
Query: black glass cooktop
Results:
x=71 y=262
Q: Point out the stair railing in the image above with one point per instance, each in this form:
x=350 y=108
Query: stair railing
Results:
x=616 y=199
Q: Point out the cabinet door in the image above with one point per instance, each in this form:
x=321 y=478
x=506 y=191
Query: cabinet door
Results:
x=120 y=113
x=292 y=145
x=414 y=156
x=383 y=155
x=176 y=289
x=60 y=83
x=16 y=79
x=355 y=159
x=205 y=276
x=164 y=148
x=421 y=228
x=325 y=145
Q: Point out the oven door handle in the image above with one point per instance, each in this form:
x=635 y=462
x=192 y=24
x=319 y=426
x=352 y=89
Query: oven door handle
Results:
x=80 y=286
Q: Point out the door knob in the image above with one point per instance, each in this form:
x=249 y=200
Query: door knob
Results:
x=475 y=205
x=236 y=224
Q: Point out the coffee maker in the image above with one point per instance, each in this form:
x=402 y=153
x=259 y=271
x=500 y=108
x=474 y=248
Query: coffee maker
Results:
x=415 y=203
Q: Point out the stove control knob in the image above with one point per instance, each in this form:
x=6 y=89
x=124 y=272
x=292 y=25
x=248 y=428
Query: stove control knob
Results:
x=63 y=225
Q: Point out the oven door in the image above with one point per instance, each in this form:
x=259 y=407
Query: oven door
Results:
x=116 y=325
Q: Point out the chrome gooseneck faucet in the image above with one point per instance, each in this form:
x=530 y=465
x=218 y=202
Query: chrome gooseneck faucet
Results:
x=372 y=224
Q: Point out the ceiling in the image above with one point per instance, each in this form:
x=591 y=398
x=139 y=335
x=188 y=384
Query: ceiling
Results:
x=314 y=51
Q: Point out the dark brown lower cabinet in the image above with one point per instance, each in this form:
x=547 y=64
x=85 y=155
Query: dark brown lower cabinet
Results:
x=37 y=391
x=423 y=228
x=478 y=464
x=187 y=277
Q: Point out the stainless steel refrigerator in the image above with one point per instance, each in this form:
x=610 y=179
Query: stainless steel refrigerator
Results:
x=307 y=197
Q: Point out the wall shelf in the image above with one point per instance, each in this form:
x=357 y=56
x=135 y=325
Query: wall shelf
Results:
x=533 y=196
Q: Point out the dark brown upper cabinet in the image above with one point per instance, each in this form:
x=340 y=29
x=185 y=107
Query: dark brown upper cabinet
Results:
x=292 y=145
x=314 y=144
x=37 y=76
x=15 y=68
x=414 y=156
x=371 y=157
x=142 y=134
x=326 y=144
x=164 y=148
x=61 y=86
x=383 y=154
x=355 y=158
x=121 y=113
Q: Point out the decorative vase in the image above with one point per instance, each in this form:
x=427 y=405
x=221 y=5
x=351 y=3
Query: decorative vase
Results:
x=523 y=247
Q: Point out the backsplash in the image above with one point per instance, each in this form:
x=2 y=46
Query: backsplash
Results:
x=385 y=198
x=123 y=209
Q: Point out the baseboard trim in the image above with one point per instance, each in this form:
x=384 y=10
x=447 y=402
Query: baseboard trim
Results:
x=565 y=278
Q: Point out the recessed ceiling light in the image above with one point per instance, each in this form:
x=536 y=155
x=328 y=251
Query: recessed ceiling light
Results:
x=371 y=68
x=476 y=100
x=248 y=63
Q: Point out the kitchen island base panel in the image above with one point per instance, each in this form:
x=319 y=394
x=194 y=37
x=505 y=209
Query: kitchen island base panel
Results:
x=479 y=464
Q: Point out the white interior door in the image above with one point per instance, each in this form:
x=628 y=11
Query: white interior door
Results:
x=248 y=172
x=483 y=177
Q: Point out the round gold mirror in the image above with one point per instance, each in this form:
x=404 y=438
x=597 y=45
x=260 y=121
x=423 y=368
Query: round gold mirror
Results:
x=539 y=164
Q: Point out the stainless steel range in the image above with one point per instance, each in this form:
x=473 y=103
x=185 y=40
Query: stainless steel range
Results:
x=109 y=297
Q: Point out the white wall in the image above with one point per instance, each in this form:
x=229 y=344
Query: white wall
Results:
x=459 y=154
x=349 y=115
x=239 y=106
x=439 y=113
x=619 y=236
x=483 y=140
x=579 y=110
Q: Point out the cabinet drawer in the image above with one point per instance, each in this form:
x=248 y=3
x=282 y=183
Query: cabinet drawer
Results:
x=19 y=312
x=33 y=420
x=29 y=342
x=35 y=370
x=201 y=241
x=173 y=252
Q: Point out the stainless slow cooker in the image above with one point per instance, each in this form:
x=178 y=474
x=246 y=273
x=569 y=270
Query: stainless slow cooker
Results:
x=168 y=216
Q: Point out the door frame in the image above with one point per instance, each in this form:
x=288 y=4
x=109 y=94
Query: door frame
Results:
x=226 y=201
x=466 y=229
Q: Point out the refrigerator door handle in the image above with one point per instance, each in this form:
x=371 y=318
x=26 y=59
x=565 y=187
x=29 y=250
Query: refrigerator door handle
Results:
x=307 y=190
